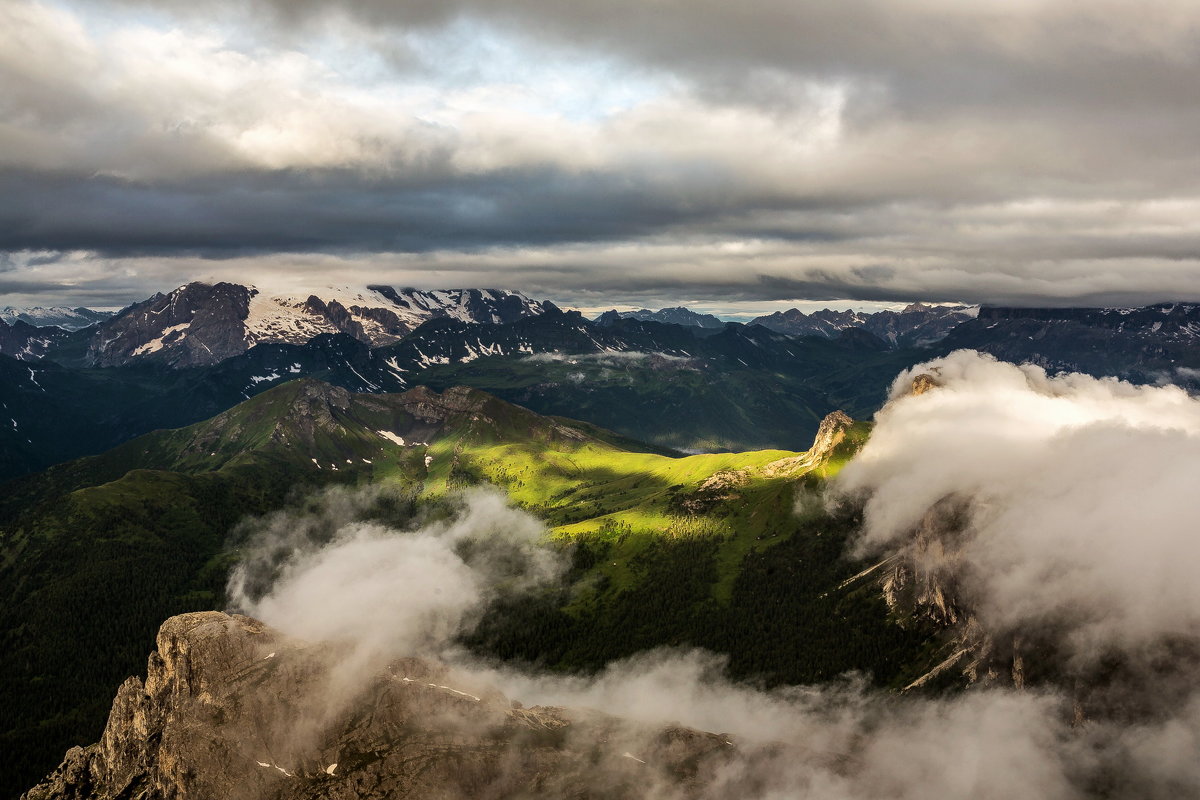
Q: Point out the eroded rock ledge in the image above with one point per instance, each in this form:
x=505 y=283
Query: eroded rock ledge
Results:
x=233 y=709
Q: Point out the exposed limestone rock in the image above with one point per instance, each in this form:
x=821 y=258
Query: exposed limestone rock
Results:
x=232 y=709
x=923 y=383
x=720 y=487
x=830 y=434
x=922 y=584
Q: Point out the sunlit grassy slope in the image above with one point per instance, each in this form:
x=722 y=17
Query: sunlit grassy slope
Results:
x=593 y=489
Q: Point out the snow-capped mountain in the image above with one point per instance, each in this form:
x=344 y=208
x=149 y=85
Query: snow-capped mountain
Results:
x=200 y=324
x=69 y=319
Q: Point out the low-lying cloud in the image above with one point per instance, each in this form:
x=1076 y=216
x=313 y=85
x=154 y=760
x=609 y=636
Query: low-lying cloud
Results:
x=332 y=571
x=1077 y=494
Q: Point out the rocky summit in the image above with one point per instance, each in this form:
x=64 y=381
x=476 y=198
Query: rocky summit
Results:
x=233 y=709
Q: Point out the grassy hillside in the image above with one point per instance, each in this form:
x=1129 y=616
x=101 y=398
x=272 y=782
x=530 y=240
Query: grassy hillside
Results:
x=704 y=550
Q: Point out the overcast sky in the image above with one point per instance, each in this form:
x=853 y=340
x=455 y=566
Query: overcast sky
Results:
x=734 y=156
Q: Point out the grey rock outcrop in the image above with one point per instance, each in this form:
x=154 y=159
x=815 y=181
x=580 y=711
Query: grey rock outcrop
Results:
x=232 y=709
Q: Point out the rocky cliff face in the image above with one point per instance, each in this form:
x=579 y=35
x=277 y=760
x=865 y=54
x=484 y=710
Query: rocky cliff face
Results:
x=195 y=324
x=232 y=709
x=922 y=584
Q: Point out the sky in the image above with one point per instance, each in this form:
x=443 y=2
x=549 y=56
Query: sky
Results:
x=734 y=157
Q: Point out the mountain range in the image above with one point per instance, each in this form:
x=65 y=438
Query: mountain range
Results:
x=916 y=325
x=744 y=386
x=70 y=319
x=686 y=387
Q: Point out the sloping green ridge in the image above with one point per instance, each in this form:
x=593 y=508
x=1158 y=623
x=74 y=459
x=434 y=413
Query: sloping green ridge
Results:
x=96 y=552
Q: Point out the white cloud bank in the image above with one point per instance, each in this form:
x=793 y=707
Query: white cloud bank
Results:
x=1080 y=496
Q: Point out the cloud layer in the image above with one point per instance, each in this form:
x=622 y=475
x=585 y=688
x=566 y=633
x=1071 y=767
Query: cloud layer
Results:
x=996 y=152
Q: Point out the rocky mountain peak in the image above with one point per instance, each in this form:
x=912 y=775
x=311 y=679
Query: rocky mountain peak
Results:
x=831 y=433
x=231 y=708
x=196 y=324
x=833 y=430
x=923 y=383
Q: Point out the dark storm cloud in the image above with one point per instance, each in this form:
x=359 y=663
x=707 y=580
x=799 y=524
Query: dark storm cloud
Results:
x=298 y=212
x=1020 y=151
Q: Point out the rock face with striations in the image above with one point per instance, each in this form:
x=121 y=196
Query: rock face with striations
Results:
x=232 y=709
x=195 y=324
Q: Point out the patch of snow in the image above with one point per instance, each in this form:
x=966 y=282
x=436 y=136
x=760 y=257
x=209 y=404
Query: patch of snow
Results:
x=428 y=461
x=331 y=768
x=391 y=437
x=268 y=655
x=426 y=361
x=274 y=376
x=282 y=319
x=154 y=345
x=361 y=378
x=456 y=691
x=631 y=755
